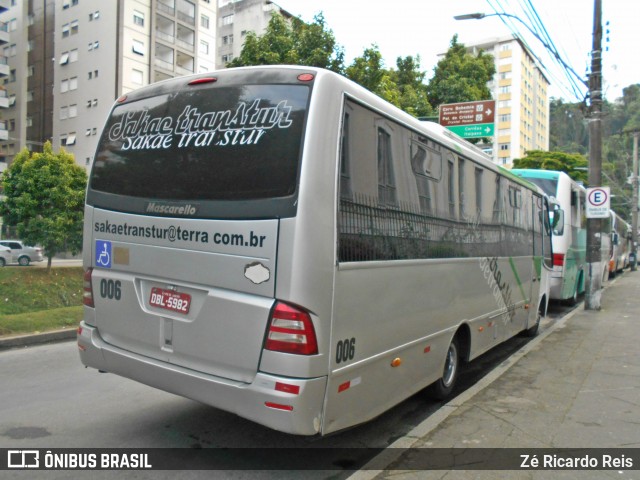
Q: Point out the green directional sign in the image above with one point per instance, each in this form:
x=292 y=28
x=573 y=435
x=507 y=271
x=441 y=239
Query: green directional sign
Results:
x=473 y=131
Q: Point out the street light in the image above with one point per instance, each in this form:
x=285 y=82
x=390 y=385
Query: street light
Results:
x=550 y=49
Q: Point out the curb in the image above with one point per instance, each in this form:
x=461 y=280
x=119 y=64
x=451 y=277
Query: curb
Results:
x=38 y=338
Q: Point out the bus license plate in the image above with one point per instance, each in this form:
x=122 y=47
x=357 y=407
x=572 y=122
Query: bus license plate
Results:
x=169 y=300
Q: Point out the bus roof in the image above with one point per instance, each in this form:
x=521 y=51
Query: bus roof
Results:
x=531 y=172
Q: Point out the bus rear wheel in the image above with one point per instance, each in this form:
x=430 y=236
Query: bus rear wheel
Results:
x=443 y=387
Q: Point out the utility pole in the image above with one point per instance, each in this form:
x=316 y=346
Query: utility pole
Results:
x=634 y=207
x=594 y=225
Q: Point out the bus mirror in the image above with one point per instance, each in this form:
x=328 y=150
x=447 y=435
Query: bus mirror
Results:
x=614 y=238
x=556 y=218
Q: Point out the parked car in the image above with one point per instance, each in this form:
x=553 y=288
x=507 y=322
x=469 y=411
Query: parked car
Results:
x=22 y=254
x=5 y=255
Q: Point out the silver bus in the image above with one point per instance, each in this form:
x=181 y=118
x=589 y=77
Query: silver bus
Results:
x=280 y=243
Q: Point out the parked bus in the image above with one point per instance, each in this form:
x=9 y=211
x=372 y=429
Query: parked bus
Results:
x=620 y=239
x=280 y=243
x=569 y=234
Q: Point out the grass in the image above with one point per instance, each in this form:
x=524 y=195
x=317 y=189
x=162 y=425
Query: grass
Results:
x=32 y=300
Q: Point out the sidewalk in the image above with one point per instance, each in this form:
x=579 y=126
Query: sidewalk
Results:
x=578 y=386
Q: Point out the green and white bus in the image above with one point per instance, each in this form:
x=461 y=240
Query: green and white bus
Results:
x=280 y=243
x=569 y=231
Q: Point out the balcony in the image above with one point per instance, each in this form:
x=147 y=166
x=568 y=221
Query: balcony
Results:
x=4 y=99
x=4 y=133
x=185 y=38
x=167 y=6
x=4 y=33
x=184 y=63
x=187 y=12
x=5 y=70
x=165 y=29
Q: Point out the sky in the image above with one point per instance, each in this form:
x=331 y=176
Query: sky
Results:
x=425 y=27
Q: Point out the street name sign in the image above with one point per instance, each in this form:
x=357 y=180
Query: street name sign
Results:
x=469 y=119
x=598 y=202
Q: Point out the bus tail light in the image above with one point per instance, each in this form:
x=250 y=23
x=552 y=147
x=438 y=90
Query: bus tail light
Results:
x=291 y=331
x=558 y=259
x=87 y=288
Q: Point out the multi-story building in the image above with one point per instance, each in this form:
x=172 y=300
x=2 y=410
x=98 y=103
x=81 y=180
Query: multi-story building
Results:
x=68 y=60
x=521 y=91
x=106 y=49
x=236 y=18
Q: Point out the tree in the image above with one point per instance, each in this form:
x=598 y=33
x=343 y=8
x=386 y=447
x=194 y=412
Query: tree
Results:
x=45 y=200
x=413 y=97
x=292 y=43
x=461 y=76
x=368 y=70
x=574 y=165
x=404 y=87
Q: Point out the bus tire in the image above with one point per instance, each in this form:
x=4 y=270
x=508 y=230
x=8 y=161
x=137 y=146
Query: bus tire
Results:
x=573 y=300
x=443 y=387
x=533 y=330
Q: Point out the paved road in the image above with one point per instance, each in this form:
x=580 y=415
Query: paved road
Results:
x=49 y=400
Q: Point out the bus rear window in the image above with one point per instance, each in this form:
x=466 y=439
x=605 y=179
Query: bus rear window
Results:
x=214 y=143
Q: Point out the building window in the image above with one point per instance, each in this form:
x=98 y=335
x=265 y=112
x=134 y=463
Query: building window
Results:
x=73 y=111
x=227 y=58
x=65 y=30
x=73 y=55
x=66 y=4
x=94 y=102
x=204 y=21
x=204 y=47
x=31 y=70
x=64 y=86
x=64 y=113
x=138 y=18
x=12 y=25
x=227 y=19
x=30 y=96
x=504 y=146
x=74 y=27
x=71 y=139
x=138 y=47
x=227 y=40
x=64 y=59
x=73 y=83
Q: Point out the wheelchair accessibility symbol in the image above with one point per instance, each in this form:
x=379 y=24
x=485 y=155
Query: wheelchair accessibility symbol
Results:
x=103 y=253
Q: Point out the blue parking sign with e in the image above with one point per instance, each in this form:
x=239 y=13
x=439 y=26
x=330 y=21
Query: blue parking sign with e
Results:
x=103 y=253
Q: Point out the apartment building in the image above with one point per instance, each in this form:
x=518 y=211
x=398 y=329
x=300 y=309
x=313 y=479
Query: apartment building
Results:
x=521 y=91
x=69 y=60
x=236 y=18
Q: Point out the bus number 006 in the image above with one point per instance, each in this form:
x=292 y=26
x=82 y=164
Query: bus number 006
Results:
x=345 y=350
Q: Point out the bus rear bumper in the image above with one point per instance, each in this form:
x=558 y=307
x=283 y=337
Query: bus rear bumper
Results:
x=285 y=404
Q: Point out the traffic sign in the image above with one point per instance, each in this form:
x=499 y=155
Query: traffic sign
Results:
x=598 y=202
x=469 y=119
x=474 y=131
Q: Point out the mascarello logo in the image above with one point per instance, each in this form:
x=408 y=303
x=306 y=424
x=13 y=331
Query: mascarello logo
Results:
x=171 y=209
